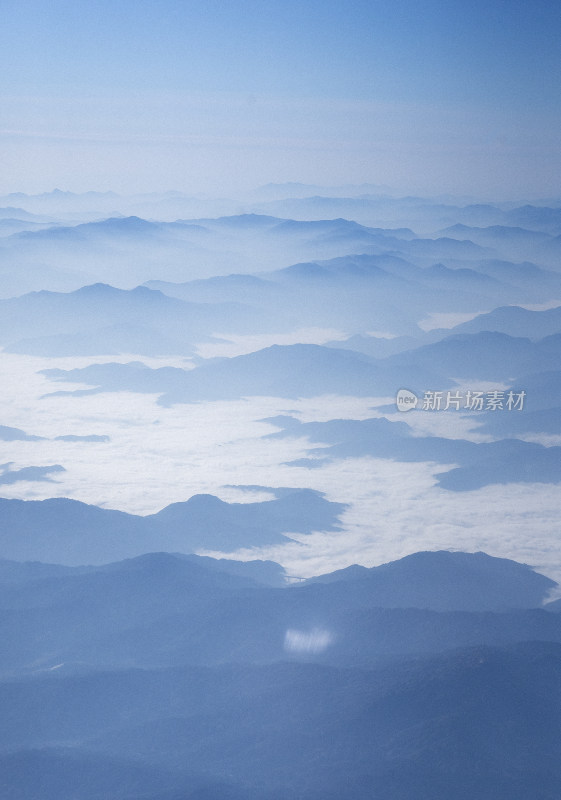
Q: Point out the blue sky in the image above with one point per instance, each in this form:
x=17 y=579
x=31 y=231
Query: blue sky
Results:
x=423 y=96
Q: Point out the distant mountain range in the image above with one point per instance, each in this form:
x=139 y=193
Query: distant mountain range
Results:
x=355 y=293
x=512 y=320
x=487 y=355
x=70 y=532
x=126 y=249
x=278 y=371
x=382 y=292
x=164 y=609
x=312 y=370
x=422 y=214
x=164 y=677
x=102 y=319
x=129 y=250
x=478 y=465
x=515 y=321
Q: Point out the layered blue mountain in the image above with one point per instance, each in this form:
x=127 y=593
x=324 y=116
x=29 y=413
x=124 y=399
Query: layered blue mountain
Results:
x=515 y=321
x=442 y=581
x=542 y=408
x=518 y=273
x=353 y=293
x=70 y=532
x=283 y=730
x=127 y=250
x=364 y=292
x=420 y=213
x=9 y=226
x=313 y=370
x=479 y=464
x=167 y=677
x=511 y=241
x=487 y=355
x=130 y=250
x=249 y=573
x=165 y=609
x=278 y=371
x=19 y=214
x=102 y=319
x=511 y=321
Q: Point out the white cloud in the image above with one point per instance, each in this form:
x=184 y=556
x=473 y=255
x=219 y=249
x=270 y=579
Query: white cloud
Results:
x=314 y=641
x=157 y=456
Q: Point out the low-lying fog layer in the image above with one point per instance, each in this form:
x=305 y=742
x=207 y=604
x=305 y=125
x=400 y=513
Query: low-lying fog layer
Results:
x=148 y=456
